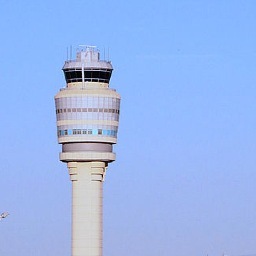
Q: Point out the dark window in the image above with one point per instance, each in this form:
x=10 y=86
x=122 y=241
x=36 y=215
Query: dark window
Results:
x=90 y=75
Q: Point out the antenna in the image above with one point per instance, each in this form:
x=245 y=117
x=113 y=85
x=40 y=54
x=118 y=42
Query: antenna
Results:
x=70 y=52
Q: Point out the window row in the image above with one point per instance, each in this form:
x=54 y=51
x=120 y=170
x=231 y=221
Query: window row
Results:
x=102 y=132
x=88 y=116
x=87 y=126
x=69 y=110
x=87 y=102
x=90 y=75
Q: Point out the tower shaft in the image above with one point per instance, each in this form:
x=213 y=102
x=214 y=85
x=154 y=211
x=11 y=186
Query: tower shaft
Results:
x=87 y=180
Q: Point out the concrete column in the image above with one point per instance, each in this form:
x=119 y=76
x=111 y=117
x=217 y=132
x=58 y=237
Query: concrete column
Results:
x=87 y=181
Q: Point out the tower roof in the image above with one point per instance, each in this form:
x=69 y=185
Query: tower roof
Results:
x=88 y=57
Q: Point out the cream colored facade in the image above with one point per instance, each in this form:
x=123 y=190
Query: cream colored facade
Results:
x=87 y=113
x=87 y=178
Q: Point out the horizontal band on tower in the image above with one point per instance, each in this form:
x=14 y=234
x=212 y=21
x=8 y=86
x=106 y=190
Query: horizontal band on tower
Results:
x=89 y=146
x=87 y=156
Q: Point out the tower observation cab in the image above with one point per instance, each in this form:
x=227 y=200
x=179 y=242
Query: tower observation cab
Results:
x=87 y=109
x=87 y=112
x=88 y=68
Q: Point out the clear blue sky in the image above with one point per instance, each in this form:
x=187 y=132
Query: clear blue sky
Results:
x=184 y=180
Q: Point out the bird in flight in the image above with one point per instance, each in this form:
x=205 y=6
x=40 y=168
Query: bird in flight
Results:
x=3 y=215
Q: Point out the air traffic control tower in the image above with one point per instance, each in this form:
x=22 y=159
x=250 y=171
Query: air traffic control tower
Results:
x=87 y=122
